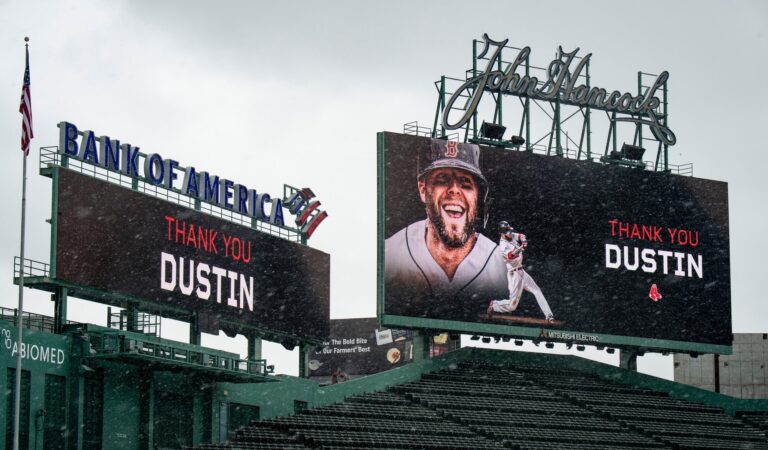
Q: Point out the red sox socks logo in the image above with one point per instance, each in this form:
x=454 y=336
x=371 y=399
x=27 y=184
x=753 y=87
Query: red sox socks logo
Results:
x=654 y=294
x=451 y=149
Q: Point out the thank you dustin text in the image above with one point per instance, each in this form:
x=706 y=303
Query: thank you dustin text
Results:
x=200 y=280
x=634 y=247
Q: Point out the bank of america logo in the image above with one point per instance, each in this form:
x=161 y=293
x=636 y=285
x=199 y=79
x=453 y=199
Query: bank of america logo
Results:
x=308 y=217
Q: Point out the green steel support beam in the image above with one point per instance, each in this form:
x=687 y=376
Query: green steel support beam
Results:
x=304 y=352
x=440 y=108
x=640 y=92
x=79 y=410
x=60 y=309
x=195 y=335
x=666 y=124
x=148 y=391
x=54 y=218
x=581 y=137
x=628 y=360
x=589 y=121
x=474 y=73
x=527 y=112
x=254 y=347
x=420 y=346
x=558 y=144
x=132 y=318
x=500 y=97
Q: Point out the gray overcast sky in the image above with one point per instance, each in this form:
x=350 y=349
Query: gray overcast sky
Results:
x=268 y=93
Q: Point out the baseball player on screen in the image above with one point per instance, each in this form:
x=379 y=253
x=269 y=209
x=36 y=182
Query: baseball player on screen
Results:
x=441 y=267
x=512 y=245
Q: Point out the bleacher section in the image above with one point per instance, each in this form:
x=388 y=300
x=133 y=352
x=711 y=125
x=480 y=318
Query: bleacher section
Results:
x=756 y=419
x=482 y=405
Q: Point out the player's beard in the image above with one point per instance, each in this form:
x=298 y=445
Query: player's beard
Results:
x=452 y=237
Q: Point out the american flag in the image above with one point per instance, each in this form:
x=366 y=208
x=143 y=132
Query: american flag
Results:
x=25 y=108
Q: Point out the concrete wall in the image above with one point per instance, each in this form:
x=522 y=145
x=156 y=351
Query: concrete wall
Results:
x=744 y=374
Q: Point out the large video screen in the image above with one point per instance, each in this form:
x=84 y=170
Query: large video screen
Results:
x=484 y=235
x=122 y=242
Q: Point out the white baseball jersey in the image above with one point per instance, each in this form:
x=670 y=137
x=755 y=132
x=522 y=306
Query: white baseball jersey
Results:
x=518 y=279
x=512 y=250
x=415 y=285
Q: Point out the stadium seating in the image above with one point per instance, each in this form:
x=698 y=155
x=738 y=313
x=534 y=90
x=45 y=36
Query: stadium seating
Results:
x=756 y=419
x=479 y=405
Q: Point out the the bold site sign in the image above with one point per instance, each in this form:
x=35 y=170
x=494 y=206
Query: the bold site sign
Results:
x=483 y=239
x=127 y=244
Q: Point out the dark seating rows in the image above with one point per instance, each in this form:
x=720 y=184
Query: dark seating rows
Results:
x=618 y=436
x=757 y=419
x=300 y=421
x=639 y=400
x=479 y=405
x=533 y=419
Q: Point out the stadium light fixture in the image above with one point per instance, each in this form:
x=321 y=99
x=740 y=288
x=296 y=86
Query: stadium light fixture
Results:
x=517 y=141
x=632 y=152
x=611 y=351
x=580 y=348
x=518 y=342
x=486 y=340
x=492 y=131
x=629 y=155
x=549 y=345
x=475 y=338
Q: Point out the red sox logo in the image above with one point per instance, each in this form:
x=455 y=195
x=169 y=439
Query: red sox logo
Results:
x=451 y=149
x=654 y=294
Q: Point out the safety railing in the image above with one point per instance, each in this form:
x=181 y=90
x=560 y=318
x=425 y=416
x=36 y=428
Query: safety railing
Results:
x=31 y=321
x=115 y=343
x=30 y=268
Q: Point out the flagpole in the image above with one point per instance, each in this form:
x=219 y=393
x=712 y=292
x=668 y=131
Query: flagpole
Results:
x=19 y=313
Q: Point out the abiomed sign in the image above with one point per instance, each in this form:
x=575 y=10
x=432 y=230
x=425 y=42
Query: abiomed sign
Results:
x=560 y=85
x=32 y=349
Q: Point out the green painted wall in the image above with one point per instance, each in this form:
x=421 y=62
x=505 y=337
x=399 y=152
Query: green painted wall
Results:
x=44 y=353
